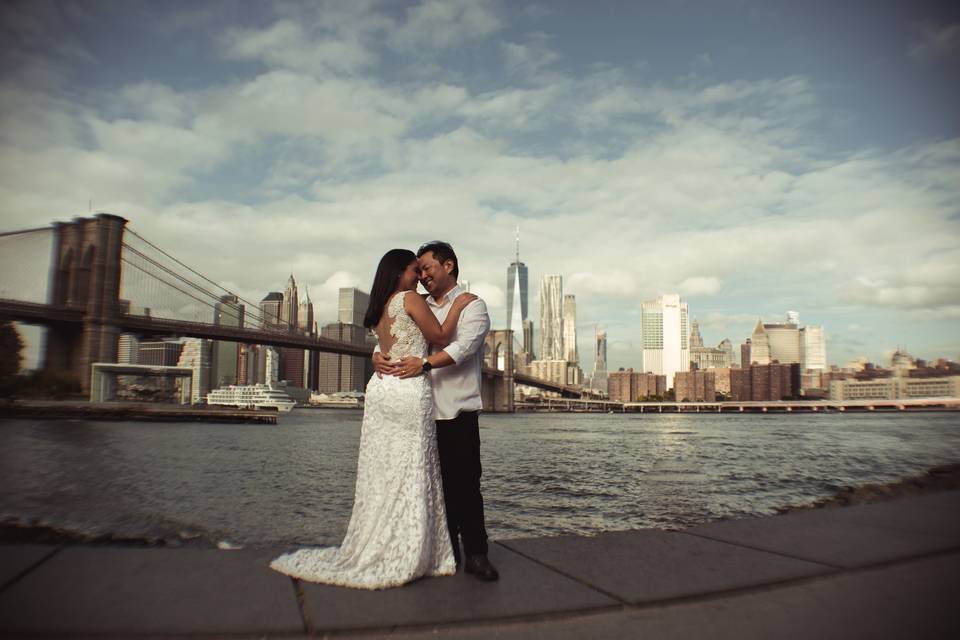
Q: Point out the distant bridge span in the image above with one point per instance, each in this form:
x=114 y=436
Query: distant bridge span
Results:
x=85 y=316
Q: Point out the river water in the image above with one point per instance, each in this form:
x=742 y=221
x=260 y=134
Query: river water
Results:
x=544 y=474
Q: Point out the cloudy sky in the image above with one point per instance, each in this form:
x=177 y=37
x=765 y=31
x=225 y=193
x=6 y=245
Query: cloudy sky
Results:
x=753 y=156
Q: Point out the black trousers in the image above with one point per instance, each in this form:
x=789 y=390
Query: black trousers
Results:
x=458 y=443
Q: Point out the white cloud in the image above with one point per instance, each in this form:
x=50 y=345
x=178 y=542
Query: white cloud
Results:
x=318 y=162
x=700 y=285
x=440 y=24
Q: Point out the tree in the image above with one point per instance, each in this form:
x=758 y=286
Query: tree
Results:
x=11 y=355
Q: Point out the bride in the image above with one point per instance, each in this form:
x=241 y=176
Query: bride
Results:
x=398 y=529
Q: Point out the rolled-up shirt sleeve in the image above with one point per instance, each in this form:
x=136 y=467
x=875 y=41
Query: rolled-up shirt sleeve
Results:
x=472 y=328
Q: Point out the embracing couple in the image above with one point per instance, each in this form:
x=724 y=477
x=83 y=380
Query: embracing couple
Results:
x=418 y=473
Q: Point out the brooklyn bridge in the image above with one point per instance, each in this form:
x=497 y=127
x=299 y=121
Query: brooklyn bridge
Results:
x=105 y=279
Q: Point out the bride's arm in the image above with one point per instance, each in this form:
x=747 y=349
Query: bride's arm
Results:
x=436 y=334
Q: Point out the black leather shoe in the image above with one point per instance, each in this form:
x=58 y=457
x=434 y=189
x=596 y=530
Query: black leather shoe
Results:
x=480 y=567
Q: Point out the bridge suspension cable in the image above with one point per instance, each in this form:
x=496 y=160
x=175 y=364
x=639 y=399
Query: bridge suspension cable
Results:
x=25 y=264
x=170 y=288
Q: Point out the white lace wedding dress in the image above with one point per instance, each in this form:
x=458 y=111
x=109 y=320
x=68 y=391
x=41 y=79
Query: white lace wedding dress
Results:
x=398 y=529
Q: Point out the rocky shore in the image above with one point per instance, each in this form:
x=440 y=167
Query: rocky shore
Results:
x=940 y=478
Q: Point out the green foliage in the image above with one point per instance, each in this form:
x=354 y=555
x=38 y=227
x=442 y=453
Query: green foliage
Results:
x=11 y=356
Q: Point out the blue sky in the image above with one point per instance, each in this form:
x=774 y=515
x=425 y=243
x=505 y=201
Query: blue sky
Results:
x=753 y=156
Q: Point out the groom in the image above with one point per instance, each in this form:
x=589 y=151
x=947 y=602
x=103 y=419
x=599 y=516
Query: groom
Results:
x=455 y=374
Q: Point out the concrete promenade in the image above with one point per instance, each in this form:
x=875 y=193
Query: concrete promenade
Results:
x=889 y=570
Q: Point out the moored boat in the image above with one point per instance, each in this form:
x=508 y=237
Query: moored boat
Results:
x=254 y=396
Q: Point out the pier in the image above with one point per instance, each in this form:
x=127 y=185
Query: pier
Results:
x=889 y=570
x=578 y=405
x=141 y=411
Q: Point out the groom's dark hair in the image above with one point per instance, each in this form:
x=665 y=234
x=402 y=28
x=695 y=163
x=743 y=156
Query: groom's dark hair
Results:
x=442 y=251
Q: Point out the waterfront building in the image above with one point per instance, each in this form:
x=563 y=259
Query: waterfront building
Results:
x=627 y=385
x=721 y=381
x=740 y=383
x=773 y=381
x=159 y=353
x=517 y=298
x=621 y=386
x=270 y=310
x=664 y=336
x=895 y=388
x=352 y=306
x=196 y=355
x=650 y=386
x=570 y=353
x=339 y=373
x=902 y=362
x=551 y=318
x=225 y=354
x=745 y=354
x=598 y=380
x=694 y=386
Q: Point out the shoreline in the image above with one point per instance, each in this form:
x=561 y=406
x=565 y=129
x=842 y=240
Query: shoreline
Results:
x=943 y=477
x=139 y=412
x=939 y=478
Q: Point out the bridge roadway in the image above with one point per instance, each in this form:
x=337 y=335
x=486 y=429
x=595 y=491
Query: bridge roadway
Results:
x=46 y=314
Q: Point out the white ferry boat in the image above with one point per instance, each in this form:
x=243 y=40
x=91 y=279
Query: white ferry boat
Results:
x=255 y=396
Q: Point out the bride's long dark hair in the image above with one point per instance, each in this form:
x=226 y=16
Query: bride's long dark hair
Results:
x=392 y=264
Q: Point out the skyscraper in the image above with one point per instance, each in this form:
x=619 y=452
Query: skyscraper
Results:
x=759 y=345
x=196 y=356
x=702 y=357
x=517 y=293
x=305 y=320
x=814 y=348
x=270 y=310
x=228 y=312
x=352 y=306
x=528 y=340
x=551 y=318
x=664 y=336
x=570 y=329
x=290 y=307
x=599 y=379
x=307 y=325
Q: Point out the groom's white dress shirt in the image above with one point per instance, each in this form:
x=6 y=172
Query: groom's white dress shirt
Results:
x=456 y=387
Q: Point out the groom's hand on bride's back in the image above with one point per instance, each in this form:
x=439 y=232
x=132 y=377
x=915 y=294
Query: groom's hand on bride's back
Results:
x=383 y=366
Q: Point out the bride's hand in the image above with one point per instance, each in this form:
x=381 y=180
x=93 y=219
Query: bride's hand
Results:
x=463 y=300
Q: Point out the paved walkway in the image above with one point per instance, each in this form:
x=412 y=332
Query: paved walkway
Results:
x=889 y=570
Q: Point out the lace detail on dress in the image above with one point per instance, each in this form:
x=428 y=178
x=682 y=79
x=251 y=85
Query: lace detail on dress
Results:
x=398 y=528
x=409 y=338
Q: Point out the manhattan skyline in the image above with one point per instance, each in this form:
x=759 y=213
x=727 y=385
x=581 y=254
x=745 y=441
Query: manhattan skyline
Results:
x=753 y=157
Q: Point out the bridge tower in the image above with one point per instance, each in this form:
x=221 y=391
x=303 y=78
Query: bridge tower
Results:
x=497 y=391
x=85 y=274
